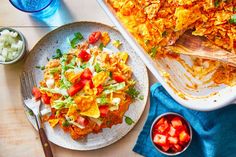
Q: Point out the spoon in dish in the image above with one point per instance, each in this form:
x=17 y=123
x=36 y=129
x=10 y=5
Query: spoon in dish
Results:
x=198 y=46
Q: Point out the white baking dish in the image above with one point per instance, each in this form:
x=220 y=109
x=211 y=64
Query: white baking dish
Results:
x=204 y=98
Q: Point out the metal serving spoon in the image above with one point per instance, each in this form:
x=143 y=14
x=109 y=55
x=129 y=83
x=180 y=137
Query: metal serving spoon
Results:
x=198 y=46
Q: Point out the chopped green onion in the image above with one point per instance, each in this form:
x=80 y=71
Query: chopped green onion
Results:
x=77 y=37
x=101 y=46
x=141 y=97
x=40 y=67
x=128 y=120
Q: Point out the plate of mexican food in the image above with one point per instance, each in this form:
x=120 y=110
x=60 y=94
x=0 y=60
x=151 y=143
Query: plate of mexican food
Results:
x=92 y=85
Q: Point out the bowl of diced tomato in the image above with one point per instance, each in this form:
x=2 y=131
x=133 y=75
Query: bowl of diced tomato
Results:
x=171 y=134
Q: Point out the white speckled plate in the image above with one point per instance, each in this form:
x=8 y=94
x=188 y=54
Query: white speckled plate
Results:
x=47 y=46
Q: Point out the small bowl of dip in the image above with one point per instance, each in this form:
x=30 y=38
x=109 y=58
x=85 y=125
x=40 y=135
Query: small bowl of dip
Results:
x=12 y=45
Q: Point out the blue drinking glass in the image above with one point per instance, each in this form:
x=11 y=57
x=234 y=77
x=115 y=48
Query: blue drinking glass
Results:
x=37 y=8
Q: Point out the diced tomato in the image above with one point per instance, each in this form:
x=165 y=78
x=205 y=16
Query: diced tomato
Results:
x=84 y=55
x=86 y=74
x=82 y=121
x=45 y=99
x=160 y=121
x=36 y=93
x=163 y=127
x=177 y=148
x=165 y=147
x=160 y=139
x=176 y=122
x=173 y=140
x=76 y=88
x=91 y=84
x=184 y=136
x=172 y=131
x=118 y=78
x=103 y=110
x=99 y=89
x=53 y=113
x=94 y=37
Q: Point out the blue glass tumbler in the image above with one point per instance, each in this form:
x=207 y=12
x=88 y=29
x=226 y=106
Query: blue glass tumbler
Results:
x=37 y=8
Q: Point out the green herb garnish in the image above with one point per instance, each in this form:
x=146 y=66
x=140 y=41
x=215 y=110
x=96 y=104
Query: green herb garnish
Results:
x=128 y=120
x=216 y=3
x=65 y=123
x=134 y=93
x=83 y=66
x=97 y=68
x=40 y=67
x=57 y=55
x=141 y=97
x=232 y=20
x=54 y=70
x=101 y=46
x=153 y=52
x=30 y=112
x=77 y=37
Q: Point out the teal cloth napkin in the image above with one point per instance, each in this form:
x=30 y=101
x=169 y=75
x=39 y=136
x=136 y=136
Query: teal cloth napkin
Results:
x=214 y=132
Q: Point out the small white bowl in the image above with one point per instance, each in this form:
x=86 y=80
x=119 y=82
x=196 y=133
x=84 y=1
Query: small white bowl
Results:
x=23 y=51
x=188 y=125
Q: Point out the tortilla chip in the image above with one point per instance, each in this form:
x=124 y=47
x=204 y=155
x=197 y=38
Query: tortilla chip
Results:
x=100 y=78
x=84 y=102
x=53 y=122
x=93 y=111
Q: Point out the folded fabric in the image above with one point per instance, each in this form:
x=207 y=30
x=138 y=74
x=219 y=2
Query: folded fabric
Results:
x=214 y=132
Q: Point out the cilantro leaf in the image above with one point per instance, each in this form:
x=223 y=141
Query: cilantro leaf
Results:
x=65 y=123
x=128 y=120
x=233 y=19
x=132 y=92
x=153 y=52
x=30 y=112
x=216 y=3
x=57 y=55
